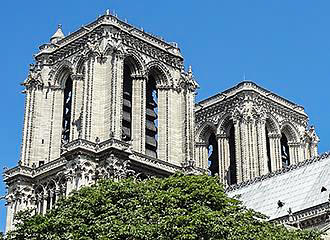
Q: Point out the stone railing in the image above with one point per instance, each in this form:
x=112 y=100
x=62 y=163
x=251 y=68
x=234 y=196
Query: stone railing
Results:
x=19 y=170
x=95 y=147
x=154 y=162
x=307 y=217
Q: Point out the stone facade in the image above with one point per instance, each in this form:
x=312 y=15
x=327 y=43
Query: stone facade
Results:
x=259 y=125
x=111 y=101
x=106 y=101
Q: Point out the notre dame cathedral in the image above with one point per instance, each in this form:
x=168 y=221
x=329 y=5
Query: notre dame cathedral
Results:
x=110 y=101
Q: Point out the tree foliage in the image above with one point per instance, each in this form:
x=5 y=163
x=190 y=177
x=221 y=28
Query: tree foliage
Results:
x=177 y=207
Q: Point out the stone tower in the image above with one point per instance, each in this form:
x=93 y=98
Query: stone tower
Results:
x=247 y=131
x=110 y=100
x=106 y=101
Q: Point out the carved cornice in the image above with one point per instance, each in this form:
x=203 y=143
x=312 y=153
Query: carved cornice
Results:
x=112 y=28
x=237 y=104
x=251 y=86
x=94 y=152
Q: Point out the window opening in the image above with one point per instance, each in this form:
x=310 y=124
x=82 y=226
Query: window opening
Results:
x=232 y=157
x=67 y=111
x=151 y=118
x=269 y=164
x=213 y=152
x=285 y=151
x=127 y=105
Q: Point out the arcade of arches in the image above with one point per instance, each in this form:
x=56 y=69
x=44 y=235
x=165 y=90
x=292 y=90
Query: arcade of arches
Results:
x=238 y=150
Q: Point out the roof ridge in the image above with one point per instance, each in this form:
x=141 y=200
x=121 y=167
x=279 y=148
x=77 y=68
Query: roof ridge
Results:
x=278 y=172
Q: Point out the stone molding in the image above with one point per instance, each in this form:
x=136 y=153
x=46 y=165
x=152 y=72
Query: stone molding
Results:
x=251 y=86
x=108 y=26
x=81 y=146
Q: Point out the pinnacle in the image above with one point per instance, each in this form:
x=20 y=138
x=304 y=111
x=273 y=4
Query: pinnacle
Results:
x=58 y=35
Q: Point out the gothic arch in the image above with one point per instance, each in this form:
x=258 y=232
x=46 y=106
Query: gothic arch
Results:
x=79 y=66
x=64 y=70
x=224 y=124
x=289 y=130
x=272 y=124
x=39 y=189
x=135 y=61
x=204 y=132
x=50 y=185
x=161 y=74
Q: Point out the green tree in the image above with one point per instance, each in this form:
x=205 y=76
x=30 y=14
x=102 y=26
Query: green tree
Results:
x=177 y=207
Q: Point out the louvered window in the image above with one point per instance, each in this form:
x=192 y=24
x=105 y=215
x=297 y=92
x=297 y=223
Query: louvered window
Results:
x=151 y=118
x=67 y=105
x=127 y=105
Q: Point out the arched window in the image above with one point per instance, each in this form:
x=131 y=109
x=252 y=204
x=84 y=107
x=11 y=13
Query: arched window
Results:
x=127 y=104
x=151 y=117
x=285 y=151
x=67 y=105
x=232 y=173
x=269 y=163
x=213 y=152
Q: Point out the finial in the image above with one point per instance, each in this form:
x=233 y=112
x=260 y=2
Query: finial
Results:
x=58 y=35
x=107 y=12
x=190 y=69
x=182 y=69
x=244 y=78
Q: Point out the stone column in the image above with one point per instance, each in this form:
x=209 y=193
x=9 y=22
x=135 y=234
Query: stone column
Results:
x=224 y=161
x=245 y=160
x=118 y=70
x=294 y=152
x=44 y=200
x=189 y=125
x=238 y=150
x=69 y=185
x=51 y=195
x=163 y=119
x=275 y=151
x=139 y=113
x=262 y=147
x=201 y=158
x=256 y=156
x=77 y=103
x=85 y=100
x=314 y=150
x=26 y=128
x=9 y=216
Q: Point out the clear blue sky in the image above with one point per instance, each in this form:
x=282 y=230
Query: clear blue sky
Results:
x=281 y=45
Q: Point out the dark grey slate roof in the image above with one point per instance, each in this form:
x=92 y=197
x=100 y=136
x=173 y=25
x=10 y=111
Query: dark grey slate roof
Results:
x=298 y=187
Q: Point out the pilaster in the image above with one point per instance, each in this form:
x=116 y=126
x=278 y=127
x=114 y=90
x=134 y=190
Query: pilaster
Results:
x=139 y=112
x=224 y=160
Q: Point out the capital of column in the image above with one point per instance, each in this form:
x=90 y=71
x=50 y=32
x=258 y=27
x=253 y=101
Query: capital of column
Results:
x=274 y=135
x=221 y=136
x=77 y=77
x=200 y=144
x=136 y=76
x=293 y=144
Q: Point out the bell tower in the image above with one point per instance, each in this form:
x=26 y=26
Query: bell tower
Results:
x=108 y=100
x=247 y=131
